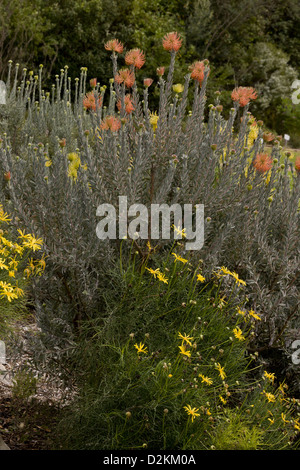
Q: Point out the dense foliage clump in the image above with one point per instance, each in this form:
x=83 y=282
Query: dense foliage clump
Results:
x=83 y=144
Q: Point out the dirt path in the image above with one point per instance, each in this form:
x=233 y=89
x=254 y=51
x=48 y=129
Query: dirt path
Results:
x=29 y=409
x=28 y=425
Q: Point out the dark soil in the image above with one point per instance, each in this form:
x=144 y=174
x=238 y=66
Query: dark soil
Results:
x=30 y=425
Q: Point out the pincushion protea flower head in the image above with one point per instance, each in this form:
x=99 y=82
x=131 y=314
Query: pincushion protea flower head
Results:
x=93 y=82
x=128 y=104
x=197 y=71
x=243 y=95
x=297 y=163
x=125 y=76
x=263 y=162
x=114 y=45
x=148 y=82
x=89 y=101
x=7 y=175
x=172 y=42
x=268 y=136
x=111 y=123
x=153 y=120
x=160 y=71
x=135 y=57
x=178 y=88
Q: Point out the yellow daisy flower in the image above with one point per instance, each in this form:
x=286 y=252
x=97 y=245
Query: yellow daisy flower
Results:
x=191 y=411
x=9 y=295
x=205 y=379
x=161 y=277
x=154 y=272
x=186 y=338
x=184 y=351
x=3 y=265
x=254 y=315
x=238 y=334
x=269 y=396
x=223 y=400
x=179 y=231
x=269 y=375
x=33 y=243
x=141 y=348
x=179 y=258
x=221 y=371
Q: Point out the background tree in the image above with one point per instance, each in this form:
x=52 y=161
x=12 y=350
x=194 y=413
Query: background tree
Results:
x=24 y=34
x=248 y=42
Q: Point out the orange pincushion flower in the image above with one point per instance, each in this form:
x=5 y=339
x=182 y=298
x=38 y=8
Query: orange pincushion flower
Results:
x=89 y=101
x=135 y=57
x=297 y=163
x=160 y=71
x=128 y=104
x=268 y=136
x=114 y=45
x=93 y=82
x=148 y=82
x=263 y=162
x=172 y=42
x=197 y=71
x=125 y=76
x=243 y=95
x=111 y=123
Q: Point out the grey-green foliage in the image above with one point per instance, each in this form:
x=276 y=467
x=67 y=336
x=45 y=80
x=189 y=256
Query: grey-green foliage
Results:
x=194 y=156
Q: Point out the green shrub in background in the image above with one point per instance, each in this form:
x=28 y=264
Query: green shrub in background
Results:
x=291 y=114
x=248 y=41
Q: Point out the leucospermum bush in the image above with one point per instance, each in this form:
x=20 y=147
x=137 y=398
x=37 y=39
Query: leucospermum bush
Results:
x=78 y=145
x=170 y=369
x=18 y=264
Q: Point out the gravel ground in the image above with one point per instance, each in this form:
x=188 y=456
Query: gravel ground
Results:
x=29 y=413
